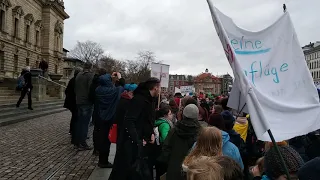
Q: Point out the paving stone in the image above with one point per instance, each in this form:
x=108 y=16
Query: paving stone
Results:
x=36 y=148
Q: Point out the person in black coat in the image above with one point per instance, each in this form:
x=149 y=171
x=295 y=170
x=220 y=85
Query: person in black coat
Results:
x=27 y=88
x=137 y=133
x=179 y=141
x=70 y=103
x=92 y=93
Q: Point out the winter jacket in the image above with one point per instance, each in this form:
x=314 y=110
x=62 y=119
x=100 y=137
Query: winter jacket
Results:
x=70 y=100
x=121 y=110
x=235 y=138
x=138 y=123
x=231 y=150
x=177 y=146
x=82 y=88
x=163 y=128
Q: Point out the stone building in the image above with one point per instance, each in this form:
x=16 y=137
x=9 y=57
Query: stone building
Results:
x=312 y=57
x=31 y=30
x=207 y=83
x=68 y=66
x=226 y=85
x=177 y=81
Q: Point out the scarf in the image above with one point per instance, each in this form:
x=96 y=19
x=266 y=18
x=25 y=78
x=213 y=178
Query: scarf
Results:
x=168 y=121
x=107 y=98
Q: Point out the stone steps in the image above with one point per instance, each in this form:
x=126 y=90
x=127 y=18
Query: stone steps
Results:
x=10 y=114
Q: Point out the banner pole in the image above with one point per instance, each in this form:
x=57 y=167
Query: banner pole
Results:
x=159 y=96
x=280 y=155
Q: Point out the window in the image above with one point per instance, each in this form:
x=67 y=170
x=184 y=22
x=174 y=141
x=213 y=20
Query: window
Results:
x=56 y=69
x=2 y=20
x=15 y=63
x=16 y=28
x=27 y=33
x=27 y=61
x=1 y=60
x=37 y=38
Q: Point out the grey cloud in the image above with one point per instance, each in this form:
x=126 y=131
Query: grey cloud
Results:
x=180 y=32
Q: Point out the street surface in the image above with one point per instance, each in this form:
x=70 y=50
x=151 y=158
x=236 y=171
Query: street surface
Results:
x=40 y=149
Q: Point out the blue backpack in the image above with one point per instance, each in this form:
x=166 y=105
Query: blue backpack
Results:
x=21 y=82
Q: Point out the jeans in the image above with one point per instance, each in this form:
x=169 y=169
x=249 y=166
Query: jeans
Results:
x=82 y=123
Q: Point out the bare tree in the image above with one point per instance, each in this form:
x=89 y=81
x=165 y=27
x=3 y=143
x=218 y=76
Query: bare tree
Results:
x=139 y=70
x=88 y=51
x=112 y=65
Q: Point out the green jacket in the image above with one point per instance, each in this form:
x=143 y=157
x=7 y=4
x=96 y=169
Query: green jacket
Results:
x=163 y=127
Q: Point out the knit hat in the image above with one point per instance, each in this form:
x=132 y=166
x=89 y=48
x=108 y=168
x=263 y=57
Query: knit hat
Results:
x=191 y=111
x=130 y=87
x=311 y=170
x=273 y=165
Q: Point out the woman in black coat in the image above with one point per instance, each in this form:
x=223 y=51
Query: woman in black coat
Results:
x=70 y=103
x=137 y=127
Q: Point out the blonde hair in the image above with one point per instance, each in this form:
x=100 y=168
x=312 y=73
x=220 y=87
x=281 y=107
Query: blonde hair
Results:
x=209 y=143
x=204 y=168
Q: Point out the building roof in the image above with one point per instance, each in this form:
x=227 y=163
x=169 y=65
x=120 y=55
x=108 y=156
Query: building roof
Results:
x=72 y=59
x=65 y=50
x=203 y=76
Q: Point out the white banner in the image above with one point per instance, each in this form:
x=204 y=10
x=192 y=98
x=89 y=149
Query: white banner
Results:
x=186 y=89
x=272 y=76
x=161 y=71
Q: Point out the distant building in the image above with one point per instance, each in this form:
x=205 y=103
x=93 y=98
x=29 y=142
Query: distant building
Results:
x=68 y=66
x=312 y=57
x=177 y=81
x=207 y=83
x=31 y=31
x=226 y=85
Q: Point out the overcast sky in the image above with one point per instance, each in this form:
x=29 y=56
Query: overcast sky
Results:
x=180 y=32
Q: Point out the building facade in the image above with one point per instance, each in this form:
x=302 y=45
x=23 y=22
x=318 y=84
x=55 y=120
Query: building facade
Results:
x=175 y=81
x=31 y=30
x=226 y=85
x=69 y=64
x=312 y=57
x=207 y=83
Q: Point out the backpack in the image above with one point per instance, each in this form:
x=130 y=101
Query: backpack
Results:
x=157 y=134
x=21 y=83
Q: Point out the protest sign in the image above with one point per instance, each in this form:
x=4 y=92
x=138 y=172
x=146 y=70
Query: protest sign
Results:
x=161 y=71
x=272 y=76
x=186 y=89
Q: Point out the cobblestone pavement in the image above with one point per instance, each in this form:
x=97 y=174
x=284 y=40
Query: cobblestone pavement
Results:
x=38 y=148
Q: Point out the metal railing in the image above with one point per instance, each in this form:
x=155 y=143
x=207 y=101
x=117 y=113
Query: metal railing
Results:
x=49 y=80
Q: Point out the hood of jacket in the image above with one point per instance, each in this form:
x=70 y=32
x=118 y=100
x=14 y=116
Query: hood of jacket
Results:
x=159 y=121
x=187 y=128
x=225 y=137
x=106 y=80
x=143 y=91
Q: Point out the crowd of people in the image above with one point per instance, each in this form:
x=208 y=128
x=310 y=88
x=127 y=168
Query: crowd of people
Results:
x=190 y=137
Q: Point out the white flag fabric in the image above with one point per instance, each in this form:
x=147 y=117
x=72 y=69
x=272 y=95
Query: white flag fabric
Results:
x=161 y=71
x=272 y=76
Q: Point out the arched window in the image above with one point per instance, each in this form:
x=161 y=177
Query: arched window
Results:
x=17 y=13
x=28 y=20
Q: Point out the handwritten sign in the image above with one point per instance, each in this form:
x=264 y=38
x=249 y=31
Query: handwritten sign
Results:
x=271 y=77
x=161 y=71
